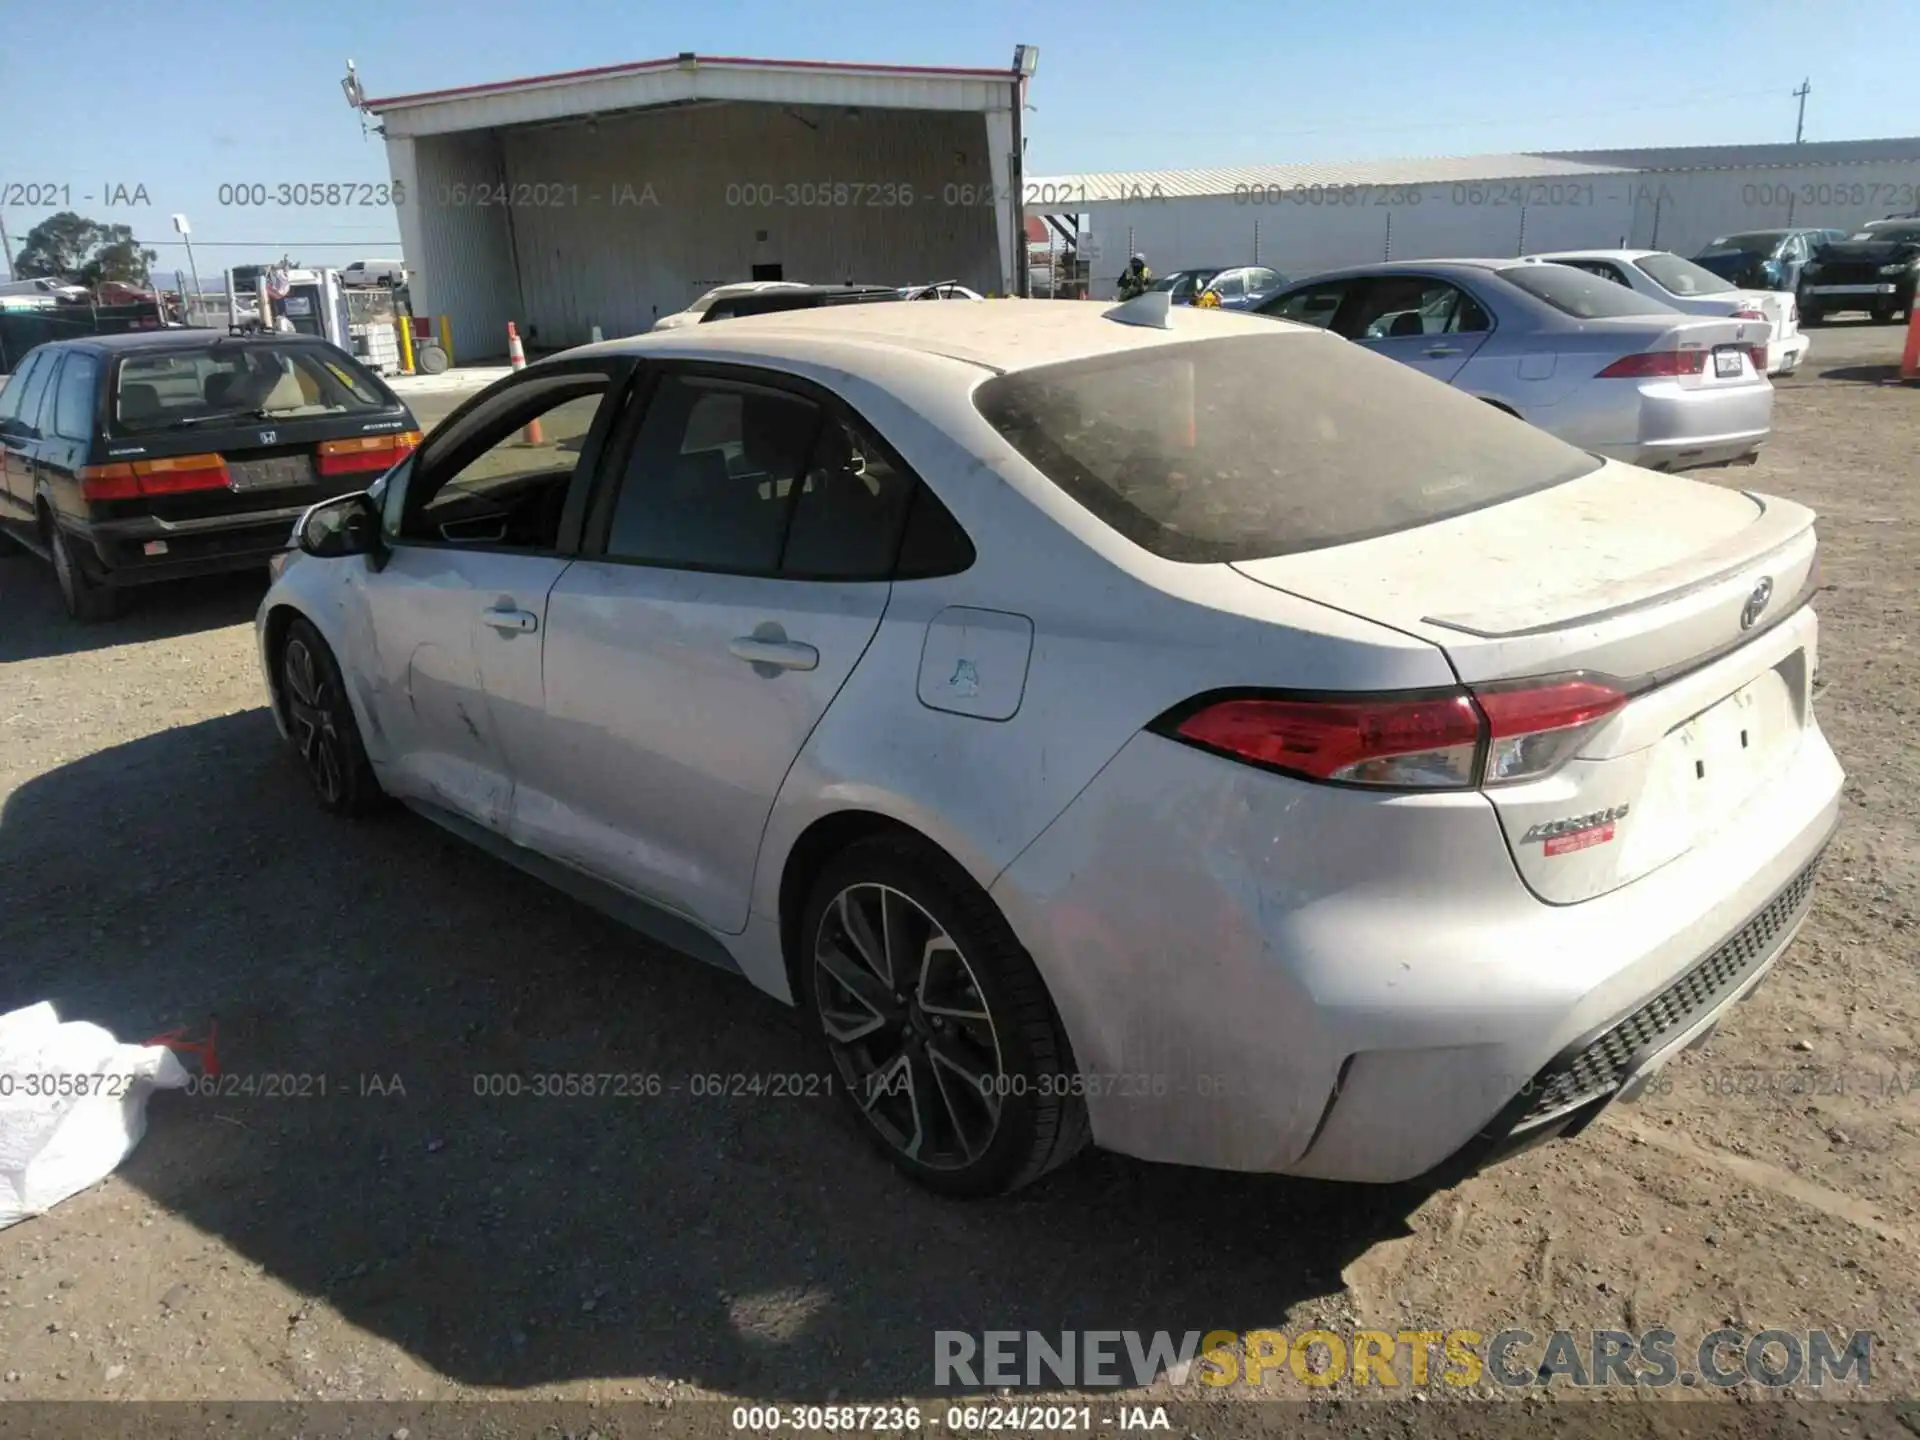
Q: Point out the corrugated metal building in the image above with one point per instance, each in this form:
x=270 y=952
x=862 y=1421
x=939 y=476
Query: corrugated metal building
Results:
x=1300 y=219
x=613 y=196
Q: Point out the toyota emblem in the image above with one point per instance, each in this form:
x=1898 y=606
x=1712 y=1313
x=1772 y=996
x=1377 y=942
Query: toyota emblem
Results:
x=1756 y=602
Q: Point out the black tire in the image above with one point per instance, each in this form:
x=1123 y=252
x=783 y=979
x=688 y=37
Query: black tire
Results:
x=1811 y=315
x=1882 y=314
x=86 y=598
x=321 y=727
x=1038 y=1118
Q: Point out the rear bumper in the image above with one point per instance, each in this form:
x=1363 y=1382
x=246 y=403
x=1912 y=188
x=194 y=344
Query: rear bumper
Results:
x=1784 y=356
x=1260 y=974
x=1683 y=429
x=146 y=549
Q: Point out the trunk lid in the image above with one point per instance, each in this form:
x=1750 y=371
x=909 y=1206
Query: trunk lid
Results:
x=1674 y=589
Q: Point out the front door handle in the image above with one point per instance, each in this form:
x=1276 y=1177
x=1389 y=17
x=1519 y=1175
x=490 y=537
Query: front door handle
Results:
x=1437 y=351
x=786 y=654
x=511 y=621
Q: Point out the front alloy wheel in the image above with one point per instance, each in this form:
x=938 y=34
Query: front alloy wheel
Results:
x=316 y=732
x=321 y=726
x=909 y=1032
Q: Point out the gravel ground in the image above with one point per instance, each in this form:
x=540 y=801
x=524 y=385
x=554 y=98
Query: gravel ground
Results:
x=400 y=1238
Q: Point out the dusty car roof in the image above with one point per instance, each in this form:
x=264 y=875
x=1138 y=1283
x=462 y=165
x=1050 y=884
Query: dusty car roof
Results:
x=1000 y=335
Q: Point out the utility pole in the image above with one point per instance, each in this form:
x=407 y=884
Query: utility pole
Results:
x=7 y=245
x=1800 y=125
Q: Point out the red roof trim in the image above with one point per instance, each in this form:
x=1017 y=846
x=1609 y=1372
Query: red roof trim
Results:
x=638 y=66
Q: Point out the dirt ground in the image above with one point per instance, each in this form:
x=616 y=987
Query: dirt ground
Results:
x=401 y=1238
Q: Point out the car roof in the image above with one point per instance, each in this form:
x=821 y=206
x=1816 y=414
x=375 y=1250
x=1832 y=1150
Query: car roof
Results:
x=999 y=335
x=1597 y=254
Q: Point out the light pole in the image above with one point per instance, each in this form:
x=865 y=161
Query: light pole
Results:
x=186 y=234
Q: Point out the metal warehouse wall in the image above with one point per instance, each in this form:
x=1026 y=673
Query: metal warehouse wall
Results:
x=619 y=224
x=1678 y=210
x=461 y=257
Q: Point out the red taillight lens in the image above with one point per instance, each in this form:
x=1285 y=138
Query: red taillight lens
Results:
x=365 y=452
x=1532 y=729
x=1758 y=354
x=1655 y=364
x=1427 y=741
x=169 y=476
x=1749 y=314
x=1492 y=736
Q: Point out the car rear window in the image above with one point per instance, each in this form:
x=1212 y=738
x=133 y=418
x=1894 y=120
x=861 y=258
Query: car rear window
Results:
x=267 y=381
x=1761 y=242
x=1579 y=292
x=1244 y=447
x=1682 y=277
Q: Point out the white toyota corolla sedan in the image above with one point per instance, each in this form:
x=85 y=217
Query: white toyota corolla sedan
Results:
x=1177 y=729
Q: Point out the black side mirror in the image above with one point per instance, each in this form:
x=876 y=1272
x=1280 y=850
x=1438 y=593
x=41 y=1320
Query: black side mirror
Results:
x=345 y=525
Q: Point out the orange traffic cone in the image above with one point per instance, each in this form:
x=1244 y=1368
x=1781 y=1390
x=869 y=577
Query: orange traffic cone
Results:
x=1910 y=358
x=517 y=358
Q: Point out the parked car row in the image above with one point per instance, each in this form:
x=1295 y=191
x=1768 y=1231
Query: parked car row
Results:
x=1569 y=346
x=1145 y=724
x=704 y=308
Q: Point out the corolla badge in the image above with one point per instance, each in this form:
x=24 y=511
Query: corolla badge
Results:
x=1756 y=602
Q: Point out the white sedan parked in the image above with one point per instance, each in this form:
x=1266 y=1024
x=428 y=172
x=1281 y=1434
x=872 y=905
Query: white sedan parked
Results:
x=697 y=311
x=1695 y=289
x=1097 y=720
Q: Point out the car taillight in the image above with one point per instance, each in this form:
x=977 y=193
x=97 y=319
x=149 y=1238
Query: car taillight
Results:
x=1758 y=354
x=365 y=452
x=1419 y=741
x=1749 y=314
x=168 y=476
x=1532 y=728
x=1457 y=740
x=1656 y=364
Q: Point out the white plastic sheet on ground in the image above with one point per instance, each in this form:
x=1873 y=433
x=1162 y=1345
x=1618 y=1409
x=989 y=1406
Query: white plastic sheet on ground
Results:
x=73 y=1103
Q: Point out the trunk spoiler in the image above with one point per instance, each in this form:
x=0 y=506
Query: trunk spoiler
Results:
x=1775 y=528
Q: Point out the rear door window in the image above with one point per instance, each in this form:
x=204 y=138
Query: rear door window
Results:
x=1310 y=304
x=34 y=389
x=14 y=393
x=1243 y=447
x=73 y=403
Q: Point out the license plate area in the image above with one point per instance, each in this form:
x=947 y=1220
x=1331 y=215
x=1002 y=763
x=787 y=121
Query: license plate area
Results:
x=1710 y=764
x=1727 y=363
x=275 y=472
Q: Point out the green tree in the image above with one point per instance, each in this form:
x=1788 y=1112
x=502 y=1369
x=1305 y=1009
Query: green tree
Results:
x=67 y=246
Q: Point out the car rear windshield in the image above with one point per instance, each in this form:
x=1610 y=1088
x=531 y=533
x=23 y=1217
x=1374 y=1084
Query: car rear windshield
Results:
x=1761 y=242
x=1244 y=447
x=263 y=381
x=1682 y=277
x=1580 y=293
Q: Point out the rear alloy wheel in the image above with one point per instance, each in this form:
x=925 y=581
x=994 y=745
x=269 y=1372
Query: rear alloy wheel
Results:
x=321 y=726
x=940 y=1032
x=84 y=597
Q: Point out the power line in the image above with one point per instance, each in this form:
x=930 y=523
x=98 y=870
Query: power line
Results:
x=276 y=244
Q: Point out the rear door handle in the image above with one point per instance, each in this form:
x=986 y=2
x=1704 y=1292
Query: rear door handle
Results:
x=1439 y=350
x=787 y=654
x=510 y=621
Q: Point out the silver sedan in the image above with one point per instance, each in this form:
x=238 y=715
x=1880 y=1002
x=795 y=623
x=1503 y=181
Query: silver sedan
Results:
x=1614 y=372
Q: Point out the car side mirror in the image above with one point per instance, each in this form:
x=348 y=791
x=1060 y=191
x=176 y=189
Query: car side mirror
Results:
x=344 y=525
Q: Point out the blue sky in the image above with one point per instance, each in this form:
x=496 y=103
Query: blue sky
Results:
x=181 y=97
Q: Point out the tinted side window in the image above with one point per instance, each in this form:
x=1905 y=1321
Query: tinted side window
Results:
x=33 y=388
x=16 y=386
x=848 y=518
x=934 y=543
x=711 y=477
x=1310 y=305
x=73 y=405
x=504 y=483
